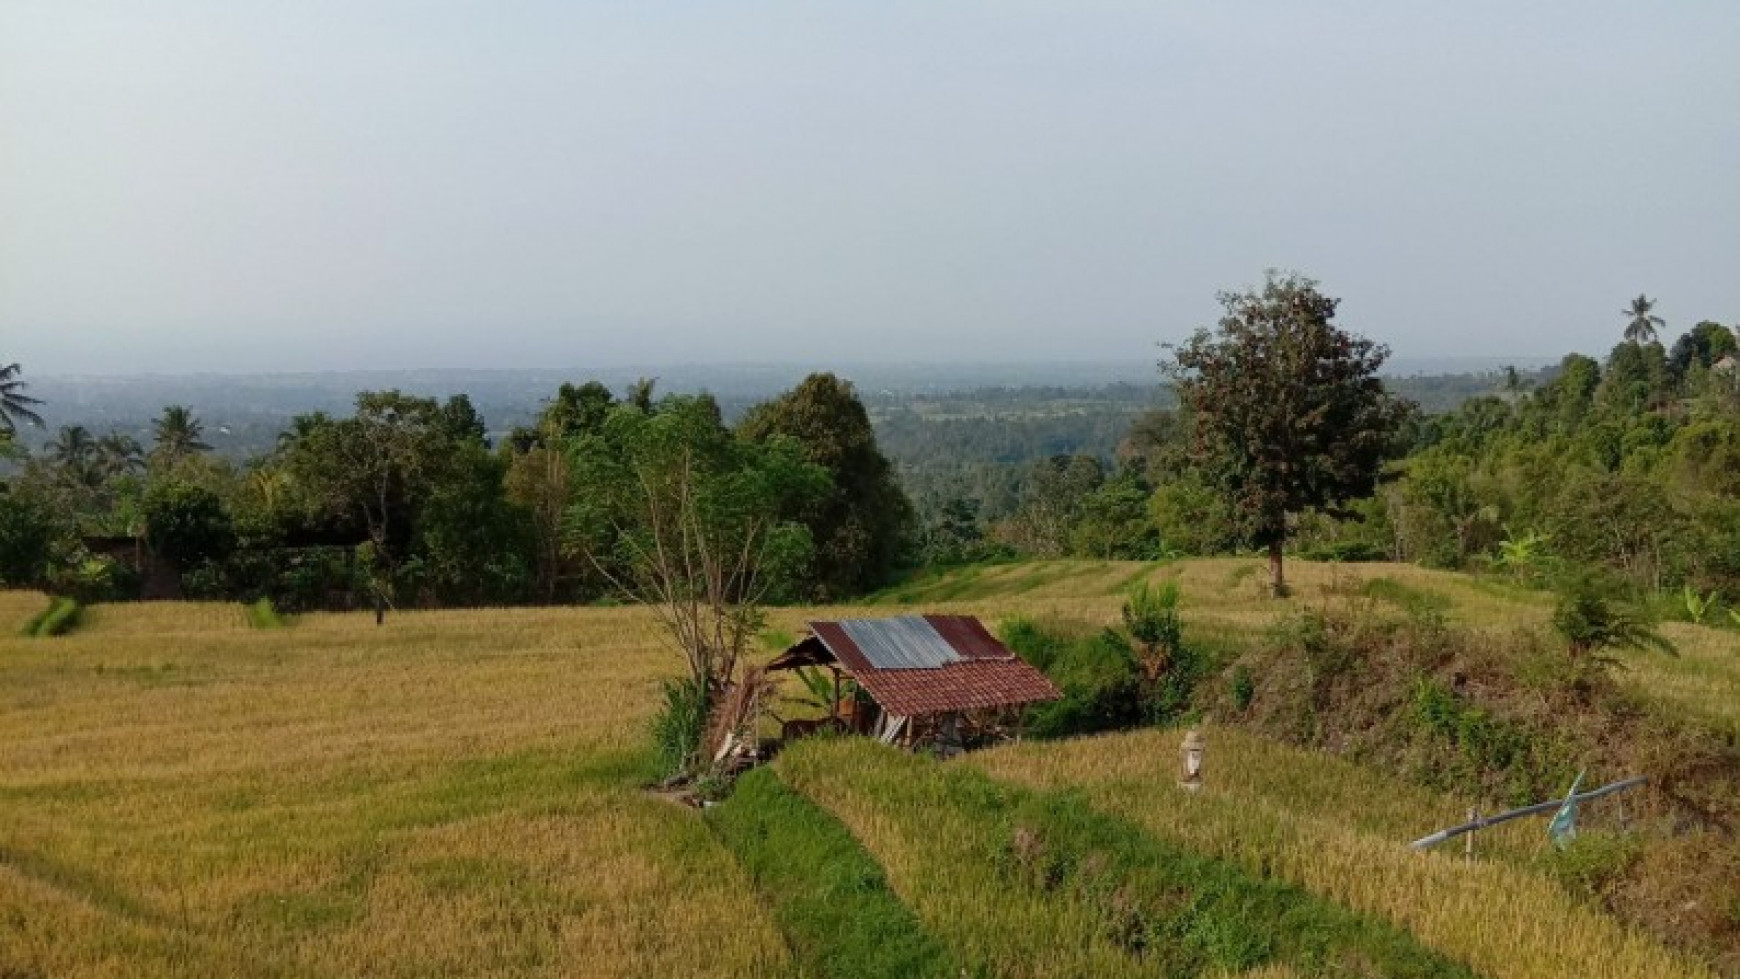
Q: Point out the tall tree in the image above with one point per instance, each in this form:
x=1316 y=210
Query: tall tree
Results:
x=376 y=465
x=1641 y=323
x=686 y=518
x=1288 y=411
x=1703 y=345
x=176 y=435
x=15 y=405
x=865 y=527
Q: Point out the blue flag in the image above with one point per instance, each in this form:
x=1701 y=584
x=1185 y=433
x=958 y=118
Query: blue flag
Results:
x=1563 y=828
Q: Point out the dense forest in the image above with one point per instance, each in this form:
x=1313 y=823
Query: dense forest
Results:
x=1627 y=465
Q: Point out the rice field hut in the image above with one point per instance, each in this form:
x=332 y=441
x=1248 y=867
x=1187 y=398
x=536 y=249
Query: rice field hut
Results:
x=917 y=679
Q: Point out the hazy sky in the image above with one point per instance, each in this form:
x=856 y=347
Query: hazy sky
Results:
x=241 y=186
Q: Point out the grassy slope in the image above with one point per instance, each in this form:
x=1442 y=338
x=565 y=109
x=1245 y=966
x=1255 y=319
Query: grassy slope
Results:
x=1029 y=883
x=830 y=897
x=1225 y=598
x=180 y=793
x=1507 y=923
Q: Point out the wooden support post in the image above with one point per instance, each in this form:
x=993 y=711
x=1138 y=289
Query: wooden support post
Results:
x=1473 y=817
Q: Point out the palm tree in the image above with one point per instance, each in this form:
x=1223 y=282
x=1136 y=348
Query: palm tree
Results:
x=177 y=434
x=1642 y=325
x=14 y=403
x=119 y=455
x=74 y=452
x=73 y=446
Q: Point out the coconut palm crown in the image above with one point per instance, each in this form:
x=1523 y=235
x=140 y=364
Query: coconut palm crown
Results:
x=1642 y=324
x=15 y=405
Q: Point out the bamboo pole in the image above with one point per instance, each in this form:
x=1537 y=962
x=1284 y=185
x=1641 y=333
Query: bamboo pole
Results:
x=1539 y=807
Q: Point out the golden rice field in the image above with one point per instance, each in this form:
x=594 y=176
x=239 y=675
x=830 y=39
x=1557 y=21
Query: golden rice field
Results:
x=458 y=793
x=1505 y=922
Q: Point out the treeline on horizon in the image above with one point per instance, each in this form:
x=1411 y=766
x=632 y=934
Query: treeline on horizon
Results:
x=1631 y=465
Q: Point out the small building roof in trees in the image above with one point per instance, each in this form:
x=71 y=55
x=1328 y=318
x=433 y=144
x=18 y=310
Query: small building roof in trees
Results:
x=914 y=665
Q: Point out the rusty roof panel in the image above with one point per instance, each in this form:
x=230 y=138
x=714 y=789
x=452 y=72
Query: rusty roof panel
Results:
x=841 y=645
x=967 y=685
x=968 y=637
x=906 y=642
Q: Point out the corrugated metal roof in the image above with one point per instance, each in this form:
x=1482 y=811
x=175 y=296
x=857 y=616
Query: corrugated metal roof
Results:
x=907 y=642
x=917 y=665
x=968 y=637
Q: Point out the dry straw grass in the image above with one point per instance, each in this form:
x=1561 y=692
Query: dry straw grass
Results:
x=455 y=793
x=17 y=608
x=1506 y=923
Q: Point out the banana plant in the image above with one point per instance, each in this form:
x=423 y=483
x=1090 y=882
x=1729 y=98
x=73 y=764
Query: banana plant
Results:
x=1698 y=607
x=1521 y=555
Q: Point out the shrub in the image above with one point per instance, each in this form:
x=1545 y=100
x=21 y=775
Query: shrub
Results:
x=61 y=617
x=93 y=579
x=679 y=726
x=1244 y=687
x=1591 y=619
x=1111 y=680
x=1592 y=863
x=262 y=615
x=1151 y=618
x=1101 y=684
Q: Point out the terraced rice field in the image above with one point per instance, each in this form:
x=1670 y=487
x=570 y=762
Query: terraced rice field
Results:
x=459 y=793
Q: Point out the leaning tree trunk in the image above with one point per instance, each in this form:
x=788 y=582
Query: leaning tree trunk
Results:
x=1277 y=579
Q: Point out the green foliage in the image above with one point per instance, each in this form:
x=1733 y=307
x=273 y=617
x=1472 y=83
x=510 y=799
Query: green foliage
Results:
x=1524 y=557
x=176 y=435
x=91 y=578
x=16 y=406
x=1101 y=684
x=863 y=527
x=1193 y=517
x=29 y=532
x=1113 y=522
x=1053 y=499
x=1590 y=619
x=186 y=524
x=1111 y=680
x=1485 y=742
x=473 y=542
x=954 y=536
x=61 y=617
x=700 y=525
x=829 y=896
x=679 y=726
x=1244 y=687
x=262 y=614
x=1151 y=617
x=1697 y=606
x=1346 y=552
x=1592 y=863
